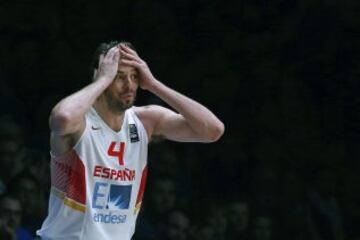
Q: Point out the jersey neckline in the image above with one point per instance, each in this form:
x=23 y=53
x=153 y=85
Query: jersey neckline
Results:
x=104 y=124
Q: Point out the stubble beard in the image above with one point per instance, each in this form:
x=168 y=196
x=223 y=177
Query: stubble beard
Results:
x=117 y=106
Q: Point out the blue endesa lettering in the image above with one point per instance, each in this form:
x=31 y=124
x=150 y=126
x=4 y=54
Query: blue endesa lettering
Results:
x=109 y=218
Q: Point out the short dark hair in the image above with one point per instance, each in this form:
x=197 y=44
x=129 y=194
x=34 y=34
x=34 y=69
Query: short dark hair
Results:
x=103 y=48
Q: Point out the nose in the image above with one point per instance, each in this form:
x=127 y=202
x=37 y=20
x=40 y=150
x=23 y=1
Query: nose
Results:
x=129 y=84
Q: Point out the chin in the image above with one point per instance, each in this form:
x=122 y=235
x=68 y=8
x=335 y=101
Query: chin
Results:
x=120 y=105
x=126 y=105
x=129 y=103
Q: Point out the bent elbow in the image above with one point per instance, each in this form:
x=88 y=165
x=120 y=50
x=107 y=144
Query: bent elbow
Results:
x=58 y=121
x=217 y=132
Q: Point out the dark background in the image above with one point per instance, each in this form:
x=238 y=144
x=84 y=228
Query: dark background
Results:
x=282 y=75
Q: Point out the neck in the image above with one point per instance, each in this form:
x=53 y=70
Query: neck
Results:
x=113 y=119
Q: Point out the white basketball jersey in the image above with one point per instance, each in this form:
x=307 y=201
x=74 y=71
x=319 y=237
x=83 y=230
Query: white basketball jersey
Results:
x=97 y=188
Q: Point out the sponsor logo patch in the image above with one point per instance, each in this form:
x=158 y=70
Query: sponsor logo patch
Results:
x=108 y=200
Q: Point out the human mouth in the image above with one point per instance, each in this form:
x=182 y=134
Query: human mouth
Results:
x=127 y=95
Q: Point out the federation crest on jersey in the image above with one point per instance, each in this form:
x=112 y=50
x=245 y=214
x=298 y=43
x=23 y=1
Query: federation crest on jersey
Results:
x=133 y=132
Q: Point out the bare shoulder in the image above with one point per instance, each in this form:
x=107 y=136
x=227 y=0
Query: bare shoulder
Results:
x=149 y=115
x=149 y=111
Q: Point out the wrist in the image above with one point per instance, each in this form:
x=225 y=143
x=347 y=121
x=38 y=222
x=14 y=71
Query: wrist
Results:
x=104 y=79
x=154 y=86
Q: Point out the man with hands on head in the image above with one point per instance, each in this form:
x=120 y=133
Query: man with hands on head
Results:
x=99 y=146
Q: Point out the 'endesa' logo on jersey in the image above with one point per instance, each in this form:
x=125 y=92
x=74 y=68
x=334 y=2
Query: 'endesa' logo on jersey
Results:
x=109 y=218
x=108 y=200
x=114 y=174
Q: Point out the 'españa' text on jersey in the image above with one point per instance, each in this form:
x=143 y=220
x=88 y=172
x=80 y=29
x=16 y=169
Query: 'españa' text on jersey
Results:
x=116 y=174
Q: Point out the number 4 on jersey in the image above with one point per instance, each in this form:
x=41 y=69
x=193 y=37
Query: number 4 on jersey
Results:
x=119 y=154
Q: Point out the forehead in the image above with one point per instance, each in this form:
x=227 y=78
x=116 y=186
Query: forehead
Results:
x=126 y=69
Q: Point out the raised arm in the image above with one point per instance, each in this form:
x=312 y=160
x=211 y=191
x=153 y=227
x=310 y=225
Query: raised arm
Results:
x=67 y=118
x=193 y=122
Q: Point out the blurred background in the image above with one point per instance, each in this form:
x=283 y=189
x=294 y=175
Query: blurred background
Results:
x=282 y=75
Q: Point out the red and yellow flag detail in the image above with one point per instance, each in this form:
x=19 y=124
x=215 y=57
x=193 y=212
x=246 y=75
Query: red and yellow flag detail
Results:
x=68 y=180
x=141 y=190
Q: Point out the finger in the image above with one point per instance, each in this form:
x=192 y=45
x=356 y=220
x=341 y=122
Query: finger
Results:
x=127 y=49
x=130 y=56
x=116 y=56
x=114 y=49
x=111 y=52
x=101 y=59
x=130 y=63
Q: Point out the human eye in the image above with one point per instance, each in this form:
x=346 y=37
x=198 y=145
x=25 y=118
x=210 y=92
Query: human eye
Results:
x=135 y=77
x=119 y=77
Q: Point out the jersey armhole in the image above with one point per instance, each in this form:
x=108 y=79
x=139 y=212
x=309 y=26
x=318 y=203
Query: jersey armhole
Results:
x=52 y=155
x=137 y=119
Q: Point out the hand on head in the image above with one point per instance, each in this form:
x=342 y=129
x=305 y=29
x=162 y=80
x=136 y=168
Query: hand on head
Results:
x=129 y=57
x=108 y=64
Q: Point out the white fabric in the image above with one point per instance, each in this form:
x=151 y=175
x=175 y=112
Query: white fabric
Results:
x=110 y=209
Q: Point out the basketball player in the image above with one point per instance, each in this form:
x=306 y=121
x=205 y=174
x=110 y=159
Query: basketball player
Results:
x=99 y=146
